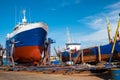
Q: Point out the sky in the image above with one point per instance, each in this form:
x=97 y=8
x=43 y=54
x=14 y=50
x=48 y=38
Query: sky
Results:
x=85 y=19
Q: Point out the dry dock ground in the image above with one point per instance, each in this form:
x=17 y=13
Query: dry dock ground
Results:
x=23 y=75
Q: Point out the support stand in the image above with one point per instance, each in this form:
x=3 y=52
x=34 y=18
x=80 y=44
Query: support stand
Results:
x=99 y=54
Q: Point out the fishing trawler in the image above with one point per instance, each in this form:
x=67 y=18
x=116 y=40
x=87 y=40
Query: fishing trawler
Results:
x=28 y=41
x=106 y=52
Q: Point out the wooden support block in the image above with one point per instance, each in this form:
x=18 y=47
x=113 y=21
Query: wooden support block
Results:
x=82 y=59
x=79 y=52
x=61 y=57
x=70 y=57
x=99 y=54
x=11 y=53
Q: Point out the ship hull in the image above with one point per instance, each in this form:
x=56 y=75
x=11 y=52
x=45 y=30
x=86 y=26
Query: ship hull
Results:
x=30 y=54
x=28 y=45
x=94 y=58
x=93 y=55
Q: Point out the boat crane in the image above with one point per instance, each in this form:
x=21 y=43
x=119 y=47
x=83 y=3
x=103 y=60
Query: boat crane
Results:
x=108 y=30
x=115 y=39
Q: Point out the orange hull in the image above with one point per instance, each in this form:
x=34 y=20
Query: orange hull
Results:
x=28 y=54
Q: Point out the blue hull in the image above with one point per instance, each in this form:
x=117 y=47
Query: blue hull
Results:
x=31 y=37
x=29 y=45
x=93 y=52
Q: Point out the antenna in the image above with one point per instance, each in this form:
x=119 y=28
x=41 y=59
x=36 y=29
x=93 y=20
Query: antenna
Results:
x=68 y=36
x=24 y=20
x=24 y=11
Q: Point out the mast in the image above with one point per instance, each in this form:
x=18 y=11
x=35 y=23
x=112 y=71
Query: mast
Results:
x=68 y=36
x=24 y=20
x=108 y=30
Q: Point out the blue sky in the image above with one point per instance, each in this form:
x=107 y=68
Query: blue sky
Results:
x=86 y=19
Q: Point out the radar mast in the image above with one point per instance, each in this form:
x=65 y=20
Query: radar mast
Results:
x=24 y=20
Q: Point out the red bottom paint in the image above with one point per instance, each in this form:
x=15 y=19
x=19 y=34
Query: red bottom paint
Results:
x=28 y=54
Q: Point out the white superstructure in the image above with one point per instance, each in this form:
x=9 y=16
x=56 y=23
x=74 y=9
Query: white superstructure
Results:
x=24 y=26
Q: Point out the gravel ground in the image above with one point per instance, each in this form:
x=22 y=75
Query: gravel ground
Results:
x=11 y=75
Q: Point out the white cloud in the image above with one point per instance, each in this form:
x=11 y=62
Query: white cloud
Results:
x=113 y=6
x=98 y=23
x=69 y=2
x=101 y=34
x=95 y=38
x=64 y=3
